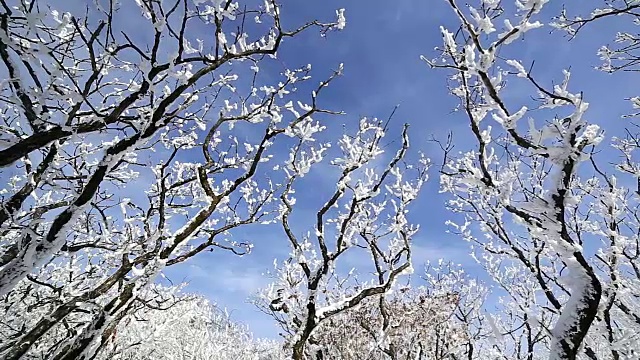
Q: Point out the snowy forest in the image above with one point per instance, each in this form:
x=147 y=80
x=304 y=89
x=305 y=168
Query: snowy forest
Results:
x=141 y=139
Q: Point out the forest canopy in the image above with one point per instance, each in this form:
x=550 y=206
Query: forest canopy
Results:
x=140 y=139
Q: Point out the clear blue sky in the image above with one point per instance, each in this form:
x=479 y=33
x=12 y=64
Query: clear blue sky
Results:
x=380 y=48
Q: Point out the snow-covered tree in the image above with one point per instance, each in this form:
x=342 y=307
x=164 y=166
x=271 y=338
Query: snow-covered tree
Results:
x=445 y=317
x=191 y=328
x=133 y=136
x=364 y=216
x=554 y=225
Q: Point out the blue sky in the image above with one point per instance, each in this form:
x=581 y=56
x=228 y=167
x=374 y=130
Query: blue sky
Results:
x=380 y=49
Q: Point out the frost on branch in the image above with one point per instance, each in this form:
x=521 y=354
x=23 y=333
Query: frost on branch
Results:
x=554 y=228
x=620 y=54
x=130 y=146
x=364 y=216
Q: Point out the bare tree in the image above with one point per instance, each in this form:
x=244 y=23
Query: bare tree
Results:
x=432 y=321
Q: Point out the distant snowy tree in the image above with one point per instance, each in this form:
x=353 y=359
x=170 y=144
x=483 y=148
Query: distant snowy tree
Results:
x=555 y=225
x=435 y=321
x=187 y=328
x=444 y=318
